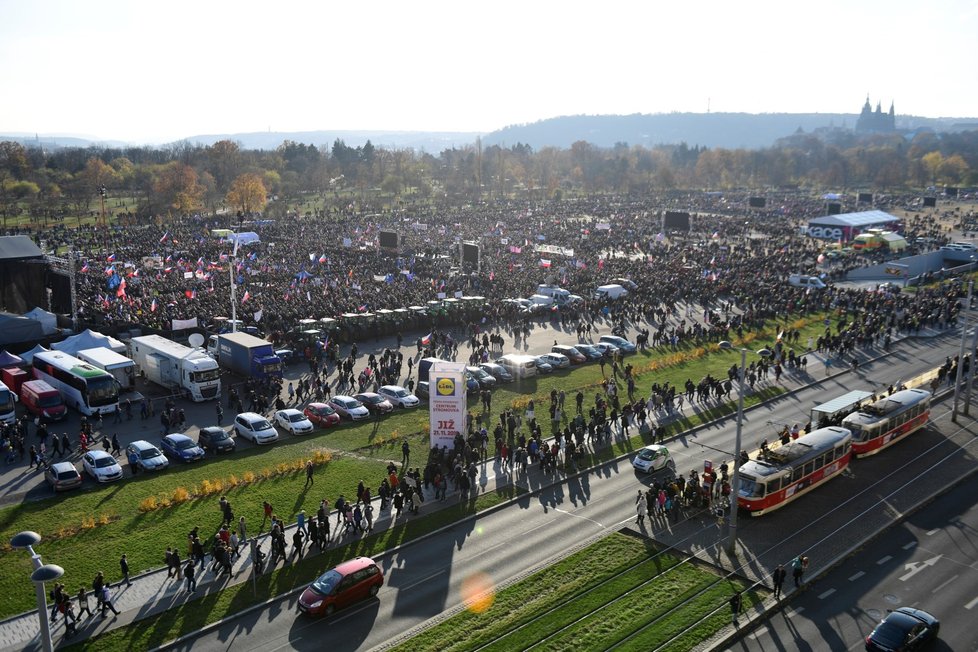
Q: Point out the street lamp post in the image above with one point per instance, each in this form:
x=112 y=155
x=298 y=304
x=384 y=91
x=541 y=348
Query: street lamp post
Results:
x=731 y=534
x=42 y=573
x=964 y=337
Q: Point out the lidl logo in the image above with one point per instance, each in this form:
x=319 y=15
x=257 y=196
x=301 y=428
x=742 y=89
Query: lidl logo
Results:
x=445 y=387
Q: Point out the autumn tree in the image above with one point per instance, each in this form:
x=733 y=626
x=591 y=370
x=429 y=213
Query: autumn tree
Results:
x=178 y=189
x=247 y=193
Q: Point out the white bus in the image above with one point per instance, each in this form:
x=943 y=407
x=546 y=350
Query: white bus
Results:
x=88 y=389
x=8 y=409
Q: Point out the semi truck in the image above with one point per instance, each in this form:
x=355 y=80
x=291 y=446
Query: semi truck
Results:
x=245 y=355
x=175 y=366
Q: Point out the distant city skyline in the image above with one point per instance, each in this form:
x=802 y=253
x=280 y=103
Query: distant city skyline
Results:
x=150 y=73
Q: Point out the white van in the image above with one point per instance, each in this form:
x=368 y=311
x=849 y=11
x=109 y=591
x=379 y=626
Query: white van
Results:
x=521 y=366
x=802 y=281
x=541 y=300
x=611 y=291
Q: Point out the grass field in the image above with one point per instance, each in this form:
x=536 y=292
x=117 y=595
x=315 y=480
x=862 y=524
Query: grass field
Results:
x=619 y=592
x=108 y=520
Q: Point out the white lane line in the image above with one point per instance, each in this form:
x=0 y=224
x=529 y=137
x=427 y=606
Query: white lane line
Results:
x=423 y=579
x=583 y=518
x=943 y=584
x=756 y=634
x=908 y=546
x=933 y=532
x=795 y=612
x=857 y=576
x=883 y=560
x=822 y=596
x=971 y=604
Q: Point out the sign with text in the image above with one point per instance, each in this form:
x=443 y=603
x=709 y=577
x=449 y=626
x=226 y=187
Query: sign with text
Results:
x=447 y=402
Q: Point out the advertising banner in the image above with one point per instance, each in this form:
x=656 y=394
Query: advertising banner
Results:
x=447 y=403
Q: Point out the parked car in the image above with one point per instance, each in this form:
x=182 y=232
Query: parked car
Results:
x=575 y=356
x=341 y=586
x=543 y=366
x=555 y=360
x=400 y=397
x=216 y=439
x=653 y=458
x=905 y=628
x=349 y=407
x=376 y=403
x=481 y=376
x=322 y=415
x=101 y=466
x=422 y=390
x=254 y=427
x=63 y=476
x=590 y=352
x=147 y=456
x=294 y=421
x=181 y=447
x=497 y=371
x=607 y=349
x=620 y=342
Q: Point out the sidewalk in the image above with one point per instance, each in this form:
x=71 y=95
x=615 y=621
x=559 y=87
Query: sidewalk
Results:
x=153 y=592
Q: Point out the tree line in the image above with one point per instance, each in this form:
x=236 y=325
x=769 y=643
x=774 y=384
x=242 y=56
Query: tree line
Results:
x=188 y=178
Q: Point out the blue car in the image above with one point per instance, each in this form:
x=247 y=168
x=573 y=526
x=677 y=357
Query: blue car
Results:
x=182 y=447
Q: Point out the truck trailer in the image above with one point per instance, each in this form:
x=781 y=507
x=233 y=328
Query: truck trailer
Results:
x=245 y=355
x=172 y=365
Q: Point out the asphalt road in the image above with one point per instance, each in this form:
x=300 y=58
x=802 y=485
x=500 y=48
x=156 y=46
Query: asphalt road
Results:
x=423 y=579
x=929 y=561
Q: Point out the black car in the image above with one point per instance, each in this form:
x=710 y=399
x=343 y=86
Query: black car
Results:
x=216 y=439
x=904 y=629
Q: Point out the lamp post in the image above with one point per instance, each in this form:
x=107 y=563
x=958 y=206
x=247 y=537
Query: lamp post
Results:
x=42 y=573
x=731 y=533
x=964 y=337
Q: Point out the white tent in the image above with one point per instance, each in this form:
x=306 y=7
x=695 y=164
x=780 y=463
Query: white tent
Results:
x=244 y=238
x=28 y=356
x=49 y=321
x=89 y=339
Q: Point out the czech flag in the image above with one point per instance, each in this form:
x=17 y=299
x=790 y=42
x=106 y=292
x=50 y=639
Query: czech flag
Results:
x=190 y=294
x=246 y=296
x=323 y=259
x=426 y=340
x=152 y=306
x=84 y=267
x=544 y=263
x=165 y=236
x=110 y=259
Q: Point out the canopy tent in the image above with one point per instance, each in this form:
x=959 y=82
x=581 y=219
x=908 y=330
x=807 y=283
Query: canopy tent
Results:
x=88 y=339
x=14 y=329
x=8 y=359
x=222 y=233
x=49 y=321
x=245 y=238
x=28 y=356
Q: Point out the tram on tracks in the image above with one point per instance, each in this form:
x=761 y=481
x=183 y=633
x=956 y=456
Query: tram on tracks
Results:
x=886 y=421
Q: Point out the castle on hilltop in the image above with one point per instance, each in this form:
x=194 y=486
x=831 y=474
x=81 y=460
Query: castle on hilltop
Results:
x=876 y=122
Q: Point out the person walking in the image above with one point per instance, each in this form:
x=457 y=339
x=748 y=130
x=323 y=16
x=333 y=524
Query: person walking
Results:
x=798 y=566
x=191 y=572
x=124 y=567
x=107 y=602
x=220 y=414
x=641 y=507
x=310 y=468
x=405 y=453
x=97 y=585
x=778 y=578
x=83 y=602
x=735 y=604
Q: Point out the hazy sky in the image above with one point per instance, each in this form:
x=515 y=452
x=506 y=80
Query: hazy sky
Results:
x=153 y=72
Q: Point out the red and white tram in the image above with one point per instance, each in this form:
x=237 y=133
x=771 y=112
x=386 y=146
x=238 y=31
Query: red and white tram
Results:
x=883 y=423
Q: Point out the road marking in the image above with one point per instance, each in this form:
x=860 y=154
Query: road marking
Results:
x=908 y=546
x=944 y=584
x=933 y=532
x=916 y=566
x=423 y=579
x=822 y=596
x=971 y=604
x=795 y=612
x=883 y=560
x=758 y=633
x=585 y=518
x=856 y=576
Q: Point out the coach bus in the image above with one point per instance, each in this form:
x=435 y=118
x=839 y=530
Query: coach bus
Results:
x=883 y=423
x=8 y=409
x=89 y=389
x=787 y=472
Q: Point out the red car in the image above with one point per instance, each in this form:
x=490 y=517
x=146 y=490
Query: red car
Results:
x=376 y=403
x=575 y=356
x=339 y=587
x=321 y=415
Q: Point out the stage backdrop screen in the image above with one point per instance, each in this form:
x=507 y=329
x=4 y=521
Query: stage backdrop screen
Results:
x=470 y=253
x=930 y=202
x=866 y=197
x=676 y=220
x=758 y=202
x=833 y=208
x=388 y=239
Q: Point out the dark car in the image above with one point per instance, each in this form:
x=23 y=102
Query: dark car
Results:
x=904 y=629
x=481 y=376
x=590 y=352
x=216 y=439
x=575 y=356
x=339 y=587
x=422 y=390
x=181 y=447
x=376 y=403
